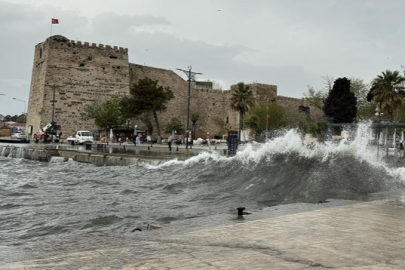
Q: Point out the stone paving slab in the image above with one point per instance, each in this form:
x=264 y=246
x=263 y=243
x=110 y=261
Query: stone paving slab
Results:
x=368 y=235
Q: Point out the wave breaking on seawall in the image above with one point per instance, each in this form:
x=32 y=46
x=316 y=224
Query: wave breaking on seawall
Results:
x=285 y=170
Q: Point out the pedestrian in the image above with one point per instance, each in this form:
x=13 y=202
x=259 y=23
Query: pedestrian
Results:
x=135 y=139
x=169 y=142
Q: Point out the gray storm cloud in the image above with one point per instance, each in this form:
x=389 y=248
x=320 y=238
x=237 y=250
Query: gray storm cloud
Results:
x=288 y=43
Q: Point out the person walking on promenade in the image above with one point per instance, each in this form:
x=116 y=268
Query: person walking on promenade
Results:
x=169 y=142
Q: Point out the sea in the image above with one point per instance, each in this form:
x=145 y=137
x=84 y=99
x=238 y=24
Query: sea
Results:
x=62 y=206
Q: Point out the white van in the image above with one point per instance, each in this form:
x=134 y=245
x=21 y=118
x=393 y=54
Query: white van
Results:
x=81 y=137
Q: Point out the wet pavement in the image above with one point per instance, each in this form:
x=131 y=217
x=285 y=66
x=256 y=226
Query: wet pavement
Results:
x=351 y=235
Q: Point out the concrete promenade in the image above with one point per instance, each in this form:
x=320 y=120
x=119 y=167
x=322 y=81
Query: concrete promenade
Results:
x=115 y=154
x=176 y=149
x=364 y=235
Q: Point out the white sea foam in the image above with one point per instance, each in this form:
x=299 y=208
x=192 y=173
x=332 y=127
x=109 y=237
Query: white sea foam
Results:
x=57 y=159
x=354 y=143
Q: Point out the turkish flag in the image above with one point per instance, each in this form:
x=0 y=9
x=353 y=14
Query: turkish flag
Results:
x=55 y=21
x=268 y=117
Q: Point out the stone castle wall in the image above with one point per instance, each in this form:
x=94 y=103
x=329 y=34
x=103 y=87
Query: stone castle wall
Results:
x=289 y=102
x=177 y=107
x=37 y=89
x=80 y=73
x=212 y=106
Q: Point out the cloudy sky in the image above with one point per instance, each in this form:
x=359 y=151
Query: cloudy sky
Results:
x=290 y=43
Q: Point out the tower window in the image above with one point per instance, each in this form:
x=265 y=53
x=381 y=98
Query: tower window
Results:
x=40 y=53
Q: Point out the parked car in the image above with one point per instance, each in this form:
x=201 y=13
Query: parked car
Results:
x=19 y=136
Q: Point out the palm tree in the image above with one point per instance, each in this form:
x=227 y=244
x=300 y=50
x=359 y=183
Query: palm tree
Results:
x=242 y=99
x=388 y=90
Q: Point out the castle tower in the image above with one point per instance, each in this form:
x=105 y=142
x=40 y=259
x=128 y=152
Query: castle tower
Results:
x=79 y=74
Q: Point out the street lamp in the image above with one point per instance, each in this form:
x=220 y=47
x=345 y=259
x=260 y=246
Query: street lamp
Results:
x=191 y=77
x=25 y=105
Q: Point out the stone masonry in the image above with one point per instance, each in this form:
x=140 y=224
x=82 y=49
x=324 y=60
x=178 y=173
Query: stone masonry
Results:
x=81 y=73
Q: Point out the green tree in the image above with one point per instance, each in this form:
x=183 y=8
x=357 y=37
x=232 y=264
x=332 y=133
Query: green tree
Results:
x=341 y=104
x=388 y=90
x=147 y=97
x=106 y=114
x=242 y=99
x=256 y=118
x=315 y=98
x=9 y=118
x=360 y=89
x=21 y=119
x=146 y=119
x=174 y=124
x=318 y=130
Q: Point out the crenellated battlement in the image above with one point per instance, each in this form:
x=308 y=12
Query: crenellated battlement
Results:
x=81 y=44
x=290 y=99
x=212 y=91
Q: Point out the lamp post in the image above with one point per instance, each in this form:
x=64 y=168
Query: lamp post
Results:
x=25 y=105
x=191 y=77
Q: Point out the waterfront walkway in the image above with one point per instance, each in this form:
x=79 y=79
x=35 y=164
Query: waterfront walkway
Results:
x=366 y=235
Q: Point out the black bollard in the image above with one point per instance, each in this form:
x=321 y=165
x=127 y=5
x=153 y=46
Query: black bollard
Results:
x=224 y=151
x=148 y=148
x=240 y=211
x=124 y=148
x=215 y=147
x=177 y=148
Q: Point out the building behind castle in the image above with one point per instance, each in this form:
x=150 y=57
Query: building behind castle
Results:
x=80 y=73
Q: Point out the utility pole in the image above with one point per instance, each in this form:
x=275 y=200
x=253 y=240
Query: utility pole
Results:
x=191 y=76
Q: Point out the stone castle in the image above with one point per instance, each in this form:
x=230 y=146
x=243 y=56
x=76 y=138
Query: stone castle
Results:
x=75 y=74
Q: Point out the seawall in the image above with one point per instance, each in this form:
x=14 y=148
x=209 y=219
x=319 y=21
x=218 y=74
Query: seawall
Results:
x=58 y=154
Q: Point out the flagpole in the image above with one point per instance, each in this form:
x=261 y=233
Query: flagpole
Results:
x=51 y=28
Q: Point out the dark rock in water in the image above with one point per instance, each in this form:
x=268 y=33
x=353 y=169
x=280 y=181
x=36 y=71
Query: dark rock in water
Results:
x=147 y=227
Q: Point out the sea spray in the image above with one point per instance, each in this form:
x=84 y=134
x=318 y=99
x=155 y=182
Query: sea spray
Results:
x=288 y=170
